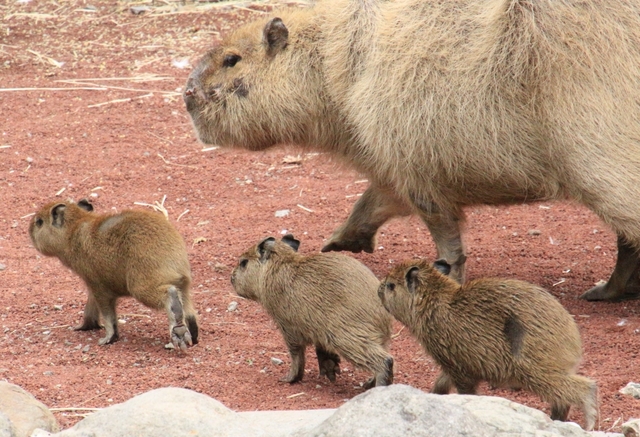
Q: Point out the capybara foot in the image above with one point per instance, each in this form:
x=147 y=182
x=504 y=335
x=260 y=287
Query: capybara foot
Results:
x=336 y=244
x=181 y=337
x=328 y=363
x=603 y=292
x=291 y=379
x=108 y=339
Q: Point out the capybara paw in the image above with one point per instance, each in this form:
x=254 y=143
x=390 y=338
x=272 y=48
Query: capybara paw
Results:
x=330 y=369
x=107 y=340
x=87 y=325
x=355 y=246
x=291 y=379
x=181 y=337
x=601 y=292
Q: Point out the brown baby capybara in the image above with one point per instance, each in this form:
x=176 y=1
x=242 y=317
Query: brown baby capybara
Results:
x=507 y=332
x=325 y=300
x=444 y=105
x=134 y=253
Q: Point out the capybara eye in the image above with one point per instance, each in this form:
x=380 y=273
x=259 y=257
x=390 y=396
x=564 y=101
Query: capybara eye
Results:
x=231 y=60
x=391 y=286
x=243 y=263
x=39 y=222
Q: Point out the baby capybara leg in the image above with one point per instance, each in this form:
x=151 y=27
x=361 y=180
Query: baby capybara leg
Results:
x=442 y=385
x=91 y=319
x=296 y=371
x=180 y=335
x=328 y=362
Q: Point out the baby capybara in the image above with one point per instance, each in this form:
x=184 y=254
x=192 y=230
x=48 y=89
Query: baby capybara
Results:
x=506 y=332
x=325 y=300
x=134 y=253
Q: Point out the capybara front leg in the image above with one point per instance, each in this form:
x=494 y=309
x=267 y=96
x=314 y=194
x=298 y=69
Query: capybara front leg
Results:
x=328 y=362
x=180 y=335
x=445 y=232
x=107 y=305
x=372 y=210
x=91 y=319
x=624 y=282
x=296 y=371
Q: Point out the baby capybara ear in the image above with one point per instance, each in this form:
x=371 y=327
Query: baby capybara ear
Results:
x=411 y=278
x=290 y=241
x=275 y=36
x=57 y=215
x=442 y=266
x=265 y=248
x=85 y=204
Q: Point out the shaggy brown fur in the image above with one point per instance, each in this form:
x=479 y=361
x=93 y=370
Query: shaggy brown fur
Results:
x=326 y=300
x=444 y=105
x=134 y=253
x=506 y=332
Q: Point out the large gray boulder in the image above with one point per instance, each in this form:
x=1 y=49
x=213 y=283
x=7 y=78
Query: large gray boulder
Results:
x=23 y=411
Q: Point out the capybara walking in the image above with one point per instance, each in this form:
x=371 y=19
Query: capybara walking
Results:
x=507 y=332
x=134 y=253
x=444 y=105
x=325 y=300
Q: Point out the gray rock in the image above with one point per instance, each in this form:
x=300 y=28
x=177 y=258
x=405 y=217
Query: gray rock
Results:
x=631 y=428
x=24 y=411
x=400 y=410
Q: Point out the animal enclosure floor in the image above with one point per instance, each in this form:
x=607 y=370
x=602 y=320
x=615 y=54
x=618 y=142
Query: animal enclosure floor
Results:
x=90 y=106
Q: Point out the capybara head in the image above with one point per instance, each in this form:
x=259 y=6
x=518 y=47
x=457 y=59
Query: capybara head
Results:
x=248 y=92
x=50 y=226
x=248 y=275
x=397 y=290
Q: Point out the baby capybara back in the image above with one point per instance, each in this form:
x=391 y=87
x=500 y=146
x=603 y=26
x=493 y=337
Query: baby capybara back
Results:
x=506 y=332
x=134 y=253
x=325 y=300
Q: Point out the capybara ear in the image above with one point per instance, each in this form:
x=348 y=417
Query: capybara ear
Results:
x=442 y=266
x=290 y=241
x=412 y=279
x=265 y=247
x=85 y=204
x=275 y=36
x=57 y=215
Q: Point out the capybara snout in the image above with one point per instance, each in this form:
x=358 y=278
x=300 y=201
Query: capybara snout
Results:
x=134 y=253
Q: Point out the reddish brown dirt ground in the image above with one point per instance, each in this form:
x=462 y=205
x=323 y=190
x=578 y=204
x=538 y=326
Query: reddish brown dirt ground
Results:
x=129 y=139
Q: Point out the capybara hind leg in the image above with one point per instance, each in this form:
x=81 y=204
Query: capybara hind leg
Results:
x=385 y=377
x=445 y=232
x=328 y=362
x=560 y=411
x=442 y=385
x=372 y=210
x=624 y=282
x=296 y=371
x=180 y=335
x=91 y=319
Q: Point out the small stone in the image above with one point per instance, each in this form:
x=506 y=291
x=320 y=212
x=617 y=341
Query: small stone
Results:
x=631 y=389
x=86 y=349
x=57 y=307
x=48 y=373
x=282 y=213
x=219 y=267
x=109 y=382
x=276 y=361
x=169 y=346
x=232 y=306
x=2 y=267
x=534 y=232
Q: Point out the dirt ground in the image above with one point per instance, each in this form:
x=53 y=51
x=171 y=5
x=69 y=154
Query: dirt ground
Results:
x=90 y=106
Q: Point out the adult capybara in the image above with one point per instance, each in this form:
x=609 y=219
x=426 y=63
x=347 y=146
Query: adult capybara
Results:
x=507 y=332
x=134 y=253
x=445 y=105
x=325 y=300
